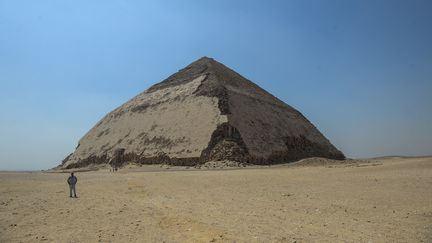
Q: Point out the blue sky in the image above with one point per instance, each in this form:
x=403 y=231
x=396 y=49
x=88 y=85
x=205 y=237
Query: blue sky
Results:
x=361 y=71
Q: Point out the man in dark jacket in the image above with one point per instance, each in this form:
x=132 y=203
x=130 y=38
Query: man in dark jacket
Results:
x=72 y=180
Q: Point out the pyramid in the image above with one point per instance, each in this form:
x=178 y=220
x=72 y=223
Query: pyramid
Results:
x=204 y=112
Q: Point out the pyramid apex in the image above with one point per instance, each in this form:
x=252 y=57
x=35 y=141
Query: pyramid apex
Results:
x=204 y=59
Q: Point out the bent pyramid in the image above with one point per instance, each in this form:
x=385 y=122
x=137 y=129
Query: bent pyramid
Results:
x=203 y=112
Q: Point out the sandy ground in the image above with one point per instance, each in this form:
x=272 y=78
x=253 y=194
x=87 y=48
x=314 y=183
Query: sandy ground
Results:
x=387 y=200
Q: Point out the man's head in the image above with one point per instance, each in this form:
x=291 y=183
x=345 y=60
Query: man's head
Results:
x=71 y=173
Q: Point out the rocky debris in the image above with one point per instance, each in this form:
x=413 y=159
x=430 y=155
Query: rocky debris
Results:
x=225 y=143
x=317 y=161
x=221 y=164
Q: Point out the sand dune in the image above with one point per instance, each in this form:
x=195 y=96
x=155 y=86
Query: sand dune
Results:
x=384 y=200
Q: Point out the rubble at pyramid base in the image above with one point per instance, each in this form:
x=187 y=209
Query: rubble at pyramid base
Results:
x=226 y=149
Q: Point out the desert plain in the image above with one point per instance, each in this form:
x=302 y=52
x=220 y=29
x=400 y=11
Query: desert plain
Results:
x=377 y=200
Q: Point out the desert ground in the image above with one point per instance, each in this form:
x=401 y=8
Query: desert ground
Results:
x=379 y=200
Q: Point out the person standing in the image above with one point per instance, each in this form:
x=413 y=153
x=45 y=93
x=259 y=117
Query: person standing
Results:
x=72 y=180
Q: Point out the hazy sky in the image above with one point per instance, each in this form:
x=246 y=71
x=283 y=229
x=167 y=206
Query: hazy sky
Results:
x=361 y=71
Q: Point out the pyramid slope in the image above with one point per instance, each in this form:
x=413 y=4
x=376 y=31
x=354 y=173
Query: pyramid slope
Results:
x=205 y=111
